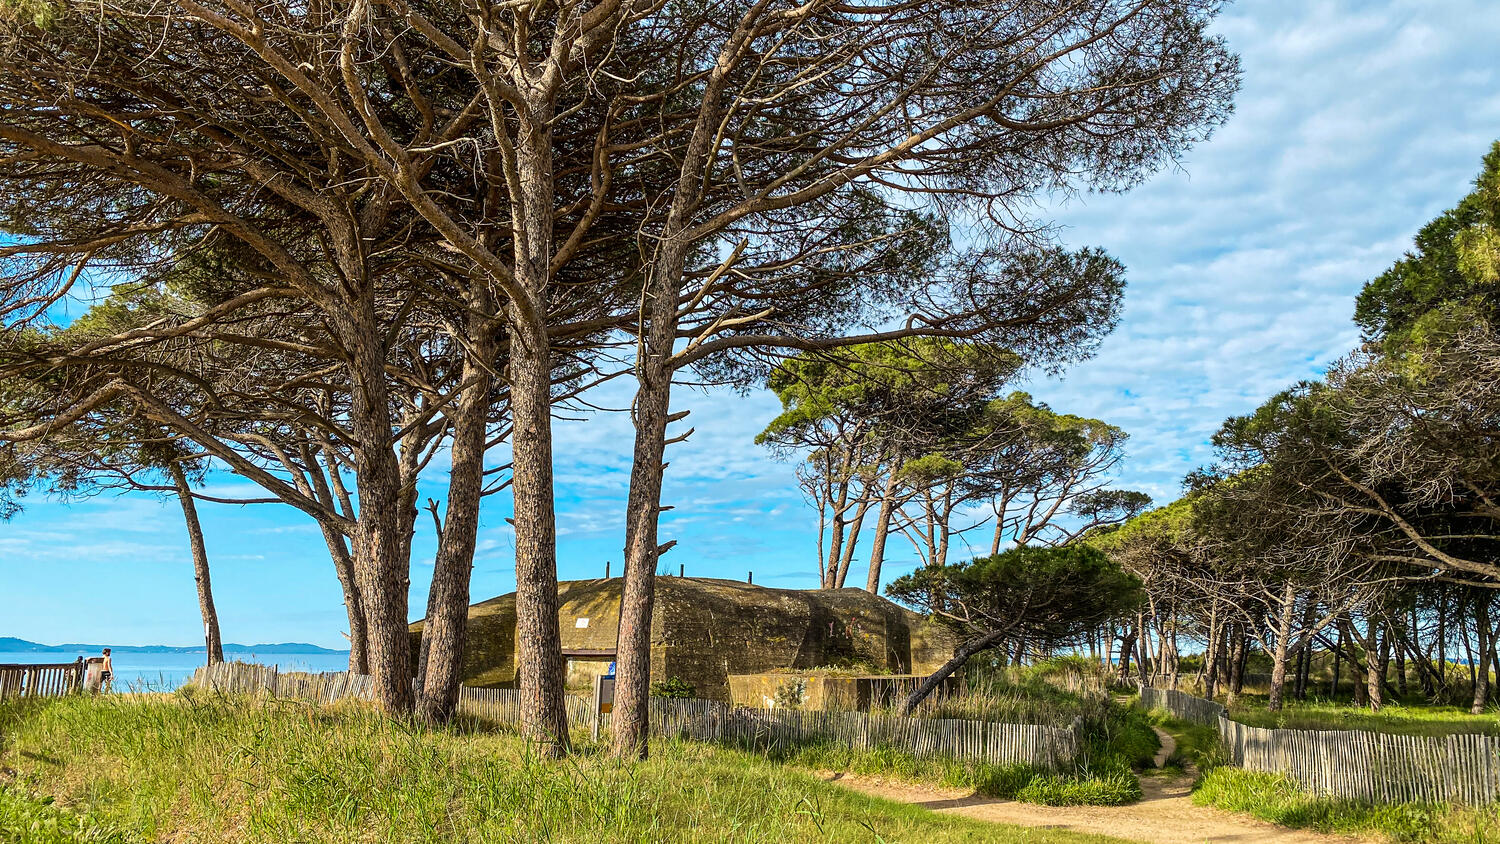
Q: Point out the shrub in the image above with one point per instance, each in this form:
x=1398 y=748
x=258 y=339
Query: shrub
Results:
x=673 y=687
x=791 y=694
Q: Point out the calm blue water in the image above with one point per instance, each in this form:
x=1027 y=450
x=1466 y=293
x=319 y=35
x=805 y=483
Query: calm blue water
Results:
x=165 y=672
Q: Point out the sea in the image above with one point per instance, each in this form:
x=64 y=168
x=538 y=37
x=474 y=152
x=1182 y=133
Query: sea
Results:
x=163 y=672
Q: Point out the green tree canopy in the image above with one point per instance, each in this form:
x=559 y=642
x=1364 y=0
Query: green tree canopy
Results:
x=1452 y=275
x=1045 y=597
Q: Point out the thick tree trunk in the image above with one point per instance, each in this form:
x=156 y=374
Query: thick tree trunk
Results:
x=445 y=633
x=382 y=576
x=213 y=644
x=882 y=530
x=539 y=657
x=966 y=650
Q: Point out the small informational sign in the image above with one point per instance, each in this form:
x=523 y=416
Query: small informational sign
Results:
x=604 y=697
x=581 y=623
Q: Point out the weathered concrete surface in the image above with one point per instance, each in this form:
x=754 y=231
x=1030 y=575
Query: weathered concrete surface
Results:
x=827 y=691
x=705 y=629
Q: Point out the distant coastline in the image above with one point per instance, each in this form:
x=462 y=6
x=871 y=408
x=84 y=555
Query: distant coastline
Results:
x=13 y=645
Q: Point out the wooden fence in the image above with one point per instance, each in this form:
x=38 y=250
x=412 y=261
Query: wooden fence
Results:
x=1353 y=764
x=705 y=720
x=1183 y=705
x=40 y=679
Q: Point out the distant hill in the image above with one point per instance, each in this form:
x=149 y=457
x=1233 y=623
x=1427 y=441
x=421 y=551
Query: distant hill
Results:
x=13 y=645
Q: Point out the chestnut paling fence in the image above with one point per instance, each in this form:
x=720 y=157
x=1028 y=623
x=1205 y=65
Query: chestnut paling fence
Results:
x=1352 y=764
x=40 y=679
x=706 y=720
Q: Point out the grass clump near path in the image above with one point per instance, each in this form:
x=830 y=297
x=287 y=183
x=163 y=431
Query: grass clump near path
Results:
x=1278 y=799
x=1198 y=745
x=38 y=821
x=213 y=769
x=1395 y=718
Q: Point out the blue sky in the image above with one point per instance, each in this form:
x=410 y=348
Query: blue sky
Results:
x=1358 y=122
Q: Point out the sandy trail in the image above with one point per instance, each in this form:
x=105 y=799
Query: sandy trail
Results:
x=1164 y=815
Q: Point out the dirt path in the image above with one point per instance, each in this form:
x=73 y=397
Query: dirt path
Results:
x=1164 y=815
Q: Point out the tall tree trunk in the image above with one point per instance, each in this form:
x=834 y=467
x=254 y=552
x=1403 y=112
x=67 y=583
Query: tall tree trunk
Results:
x=213 y=644
x=1484 y=636
x=1127 y=647
x=882 y=530
x=1338 y=654
x=631 y=716
x=343 y=566
x=1211 y=655
x=1236 y=665
x=1283 y=646
x=539 y=660
x=851 y=542
x=329 y=488
x=1373 y=676
x=445 y=633
x=1400 y=654
x=840 y=504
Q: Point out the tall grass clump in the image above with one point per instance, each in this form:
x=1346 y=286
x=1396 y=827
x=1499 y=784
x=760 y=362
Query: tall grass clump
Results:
x=208 y=768
x=1277 y=798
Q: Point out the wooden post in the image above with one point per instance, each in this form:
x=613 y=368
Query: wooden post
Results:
x=750 y=578
x=606 y=569
x=682 y=570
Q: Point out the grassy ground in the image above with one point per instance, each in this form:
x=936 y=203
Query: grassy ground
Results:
x=1276 y=798
x=1405 y=719
x=216 y=770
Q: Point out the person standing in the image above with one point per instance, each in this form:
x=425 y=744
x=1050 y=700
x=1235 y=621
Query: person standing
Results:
x=107 y=672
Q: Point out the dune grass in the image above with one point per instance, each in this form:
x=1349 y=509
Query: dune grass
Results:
x=1277 y=798
x=214 y=769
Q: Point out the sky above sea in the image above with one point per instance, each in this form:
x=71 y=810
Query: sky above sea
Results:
x=1358 y=122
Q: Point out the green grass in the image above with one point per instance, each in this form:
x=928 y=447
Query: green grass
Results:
x=210 y=769
x=38 y=821
x=1401 y=719
x=1277 y=798
x=1198 y=745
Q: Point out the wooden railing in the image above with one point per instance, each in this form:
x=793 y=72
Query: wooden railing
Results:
x=706 y=720
x=40 y=679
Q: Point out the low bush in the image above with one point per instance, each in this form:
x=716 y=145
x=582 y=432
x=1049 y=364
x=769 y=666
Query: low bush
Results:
x=673 y=687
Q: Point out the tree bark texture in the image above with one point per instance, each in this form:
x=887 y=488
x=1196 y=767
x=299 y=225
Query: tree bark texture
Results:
x=445 y=633
x=882 y=531
x=213 y=643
